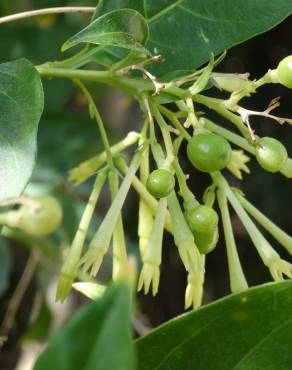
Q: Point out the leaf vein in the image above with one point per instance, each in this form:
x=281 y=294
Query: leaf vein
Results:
x=275 y=330
x=165 y=10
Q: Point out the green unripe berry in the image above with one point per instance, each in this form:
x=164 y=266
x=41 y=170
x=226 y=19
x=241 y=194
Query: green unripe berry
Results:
x=284 y=72
x=271 y=154
x=160 y=183
x=206 y=242
x=202 y=219
x=43 y=220
x=209 y=152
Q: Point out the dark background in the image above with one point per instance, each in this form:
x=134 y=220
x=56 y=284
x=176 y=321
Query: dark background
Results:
x=67 y=136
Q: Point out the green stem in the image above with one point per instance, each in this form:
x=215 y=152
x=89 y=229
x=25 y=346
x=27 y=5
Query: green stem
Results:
x=251 y=88
x=230 y=136
x=190 y=201
x=176 y=123
x=218 y=106
x=93 y=110
x=133 y=86
x=283 y=238
x=165 y=133
x=238 y=282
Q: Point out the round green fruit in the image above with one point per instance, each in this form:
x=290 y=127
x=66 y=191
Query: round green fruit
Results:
x=160 y=183
x=41 y=220
x=209 y=152
x=284 y=72
x=206 y=242
x=271 y=154
x=202 y=219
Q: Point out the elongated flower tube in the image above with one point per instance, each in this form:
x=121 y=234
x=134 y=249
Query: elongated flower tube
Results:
x=145 y=224
x=69 y=270
x=153 y=252
x=269 y=256
x=145 y=219
x=183 y=236
x=87 y=168
x=194 y=289
x=283 y=238
x=237 y=279
x=119 y=245
x=101 y=240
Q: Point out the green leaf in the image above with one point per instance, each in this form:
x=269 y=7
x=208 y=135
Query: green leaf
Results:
x=186 y=32
x=251 y=330
x=21 y=102
x=98 y=337
x=5 y=266
x=124 y=28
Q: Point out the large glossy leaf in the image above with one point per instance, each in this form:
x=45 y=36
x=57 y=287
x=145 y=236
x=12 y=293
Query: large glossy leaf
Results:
x=251 y=330
x=98 y=337
x=21 y=106
x=125 y=28
x=186 y=32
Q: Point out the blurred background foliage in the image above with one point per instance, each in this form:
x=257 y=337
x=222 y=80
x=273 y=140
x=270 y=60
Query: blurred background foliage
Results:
x=67 y=136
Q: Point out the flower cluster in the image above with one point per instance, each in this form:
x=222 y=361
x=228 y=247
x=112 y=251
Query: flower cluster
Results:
x=166 y=201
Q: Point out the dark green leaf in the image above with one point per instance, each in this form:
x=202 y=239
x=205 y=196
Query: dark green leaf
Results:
x=5 y=265
x=124 y=28
x=186 y=32
x=98 y=337
x=251 y=330
x=21 y=102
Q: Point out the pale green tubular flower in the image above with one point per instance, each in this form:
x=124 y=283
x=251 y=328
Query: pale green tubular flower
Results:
x=145 y=219
x=101 y=240
x=269 y=256
x=69 y=270
x=281 y=236
x=152 y=257
x=119 y=245
x=194 y=289
x=183 y=236
x=238 y=282
x=145 y=224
